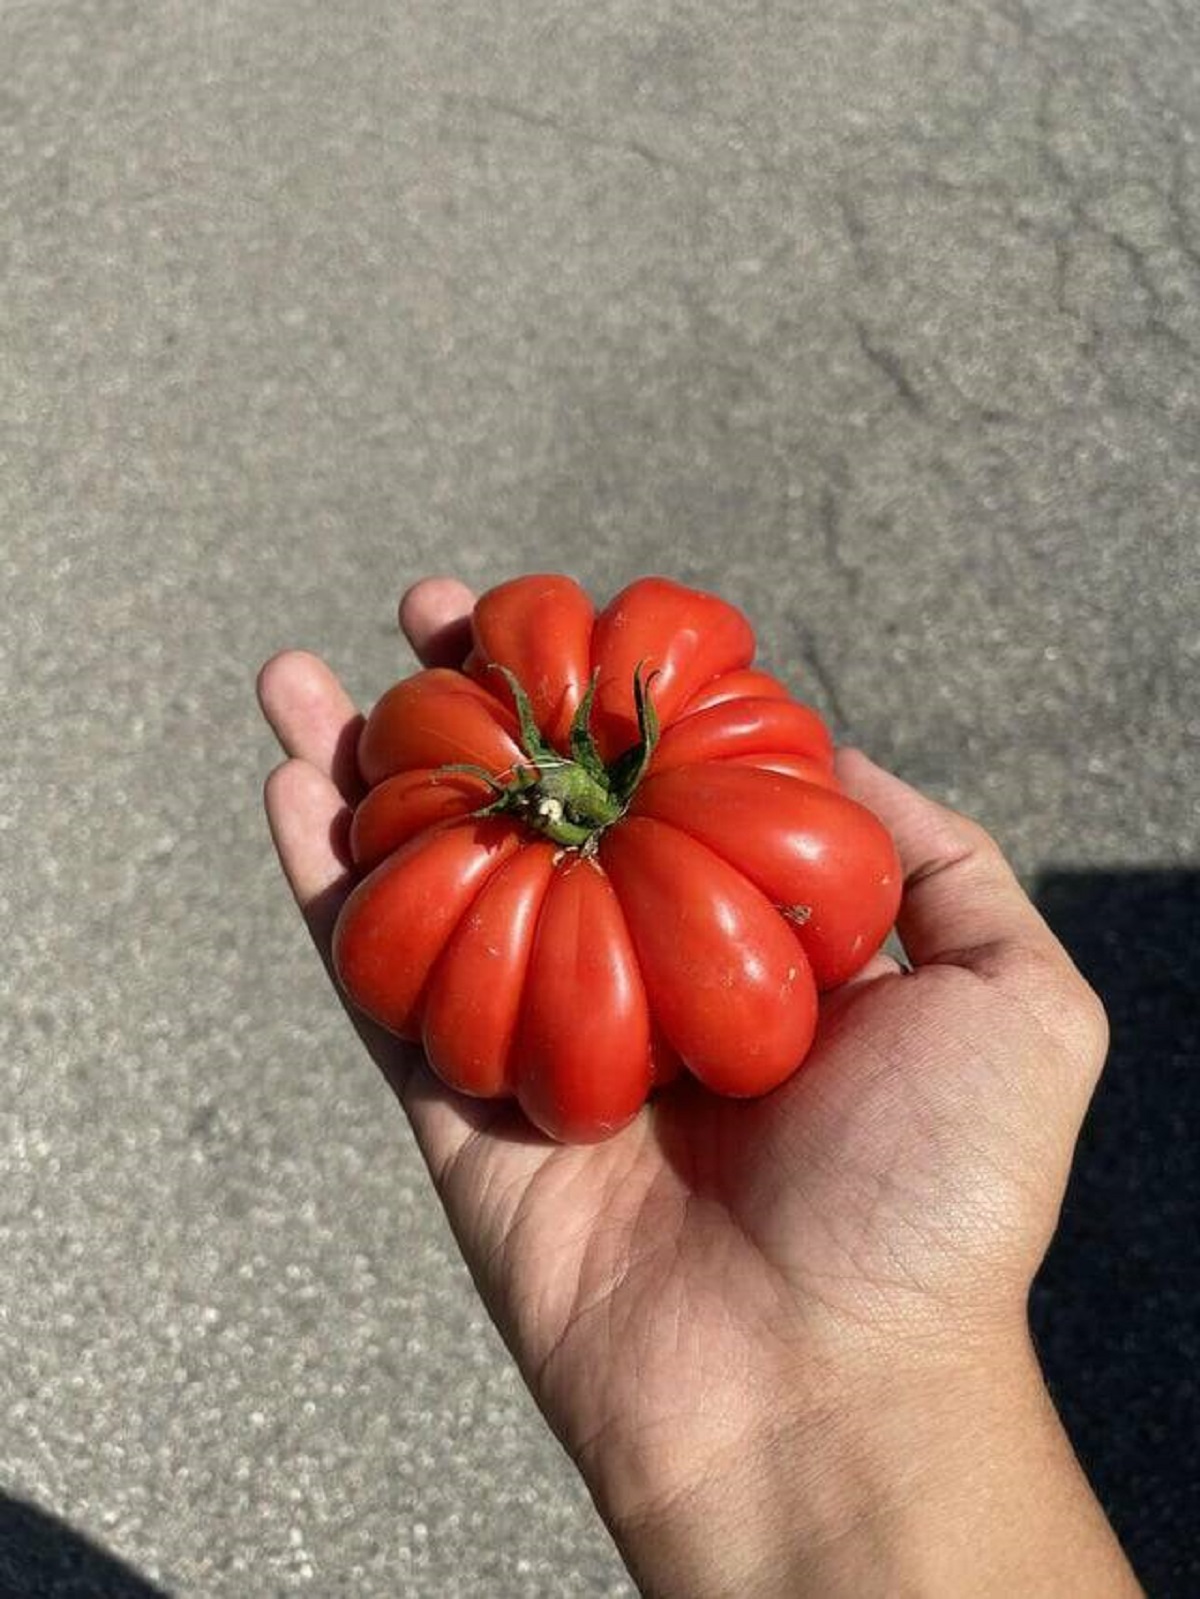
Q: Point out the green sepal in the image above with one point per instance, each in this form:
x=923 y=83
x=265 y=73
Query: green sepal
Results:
x=467 y=767
x=532 y=741
x=583 y=746
x=627 y=771
x=522 y=778
x=569 y=800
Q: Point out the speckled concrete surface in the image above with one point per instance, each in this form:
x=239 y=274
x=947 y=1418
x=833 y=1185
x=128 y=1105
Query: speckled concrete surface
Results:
x=883 y=317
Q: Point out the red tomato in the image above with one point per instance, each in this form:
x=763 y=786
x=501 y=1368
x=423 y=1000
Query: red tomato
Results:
x=744 y=727
x=583 y=1064
x=687 y=638
x=824 y=861
x=395 y=924
x=399 y=807
x=541 y=629
x=473 y=1002
x=432 y=718
x=667 y=873
x=730 y=985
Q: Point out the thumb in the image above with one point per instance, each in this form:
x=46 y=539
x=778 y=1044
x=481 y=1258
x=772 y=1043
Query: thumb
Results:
x=963 y=905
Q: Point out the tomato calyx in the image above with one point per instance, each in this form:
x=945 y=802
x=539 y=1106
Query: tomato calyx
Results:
x=569 y=800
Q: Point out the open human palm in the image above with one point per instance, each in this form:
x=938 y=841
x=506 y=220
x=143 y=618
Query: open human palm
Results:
x=662 y=1289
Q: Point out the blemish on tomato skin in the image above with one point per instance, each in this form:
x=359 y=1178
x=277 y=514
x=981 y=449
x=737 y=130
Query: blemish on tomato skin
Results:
x=796 y=914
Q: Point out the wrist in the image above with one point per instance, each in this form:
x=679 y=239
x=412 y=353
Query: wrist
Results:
x=945 y=1476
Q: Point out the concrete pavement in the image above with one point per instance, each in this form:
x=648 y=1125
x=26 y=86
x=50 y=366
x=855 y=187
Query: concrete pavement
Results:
x=882 y=318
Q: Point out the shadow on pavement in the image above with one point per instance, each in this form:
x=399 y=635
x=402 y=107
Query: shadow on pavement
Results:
x=1115 y=1306
x=42 y=1558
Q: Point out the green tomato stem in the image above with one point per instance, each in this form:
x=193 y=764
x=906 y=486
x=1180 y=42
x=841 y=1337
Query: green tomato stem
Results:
x=567 y=805
x=569 y=800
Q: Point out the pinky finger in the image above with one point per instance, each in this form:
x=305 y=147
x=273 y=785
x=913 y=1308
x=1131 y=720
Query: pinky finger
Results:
x=309 y=823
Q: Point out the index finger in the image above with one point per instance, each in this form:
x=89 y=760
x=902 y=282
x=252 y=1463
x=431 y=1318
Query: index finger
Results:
x=312 y=716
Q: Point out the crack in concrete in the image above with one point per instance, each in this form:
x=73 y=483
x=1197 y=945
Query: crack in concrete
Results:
x=1054 y=168
x=855 y=227
x=1179 y=218
x=1081 y=222
x=568 y=132
x=829 y=520
x=892 y=367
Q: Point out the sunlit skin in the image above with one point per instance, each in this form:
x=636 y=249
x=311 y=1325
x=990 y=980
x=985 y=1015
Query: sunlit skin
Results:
x=783 y=1339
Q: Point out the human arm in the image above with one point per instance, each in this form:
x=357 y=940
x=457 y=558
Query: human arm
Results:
x=785 y=1340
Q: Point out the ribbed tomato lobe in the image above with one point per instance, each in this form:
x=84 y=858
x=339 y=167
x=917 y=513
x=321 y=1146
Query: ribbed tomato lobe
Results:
x=435 y=718
x=473 y=1001
x=685 y=637
x=402 y=806
x=540 y=628
x=727 y=982
x=744 y=727
x=582 y=1059
x=395 y=924
x=746 y=683
x=825 y=861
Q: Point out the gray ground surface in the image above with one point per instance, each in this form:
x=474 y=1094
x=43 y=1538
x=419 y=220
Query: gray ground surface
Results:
x=882 y=316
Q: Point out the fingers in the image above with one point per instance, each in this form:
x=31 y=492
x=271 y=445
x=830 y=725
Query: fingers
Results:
x=313 y=717
x=963 y=904
x=309 y=798
x=309 y=819
x=309 y=822
x=435 y=615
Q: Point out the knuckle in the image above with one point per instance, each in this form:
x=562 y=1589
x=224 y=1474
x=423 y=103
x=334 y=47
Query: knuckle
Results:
x=1093 y=1018
x=1075 y=1013
x=273 y=781
x=975 y=839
